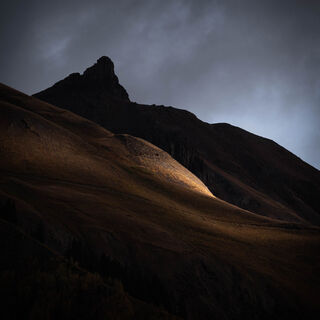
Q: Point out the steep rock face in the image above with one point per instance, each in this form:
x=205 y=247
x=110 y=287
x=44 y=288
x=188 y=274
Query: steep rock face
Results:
x=249 y=171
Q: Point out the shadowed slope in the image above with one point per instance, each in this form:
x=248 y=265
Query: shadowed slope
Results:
x=249 y=171
x=37 y=283
x=123 y=208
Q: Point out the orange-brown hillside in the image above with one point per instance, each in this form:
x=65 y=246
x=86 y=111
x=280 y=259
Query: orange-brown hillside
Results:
x=124 y=209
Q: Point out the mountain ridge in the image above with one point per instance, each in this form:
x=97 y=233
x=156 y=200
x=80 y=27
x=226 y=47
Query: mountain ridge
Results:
x=244 y=169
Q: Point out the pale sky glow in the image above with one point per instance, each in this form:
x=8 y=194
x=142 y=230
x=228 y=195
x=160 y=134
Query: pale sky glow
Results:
x=254 y=64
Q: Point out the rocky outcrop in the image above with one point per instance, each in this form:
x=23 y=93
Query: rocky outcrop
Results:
x=99 y=82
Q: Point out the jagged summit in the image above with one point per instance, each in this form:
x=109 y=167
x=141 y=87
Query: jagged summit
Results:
x=99 y=81
x=101 y=71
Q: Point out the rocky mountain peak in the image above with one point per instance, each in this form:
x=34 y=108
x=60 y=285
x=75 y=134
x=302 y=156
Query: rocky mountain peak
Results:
x=98 y=81
x=102 y=70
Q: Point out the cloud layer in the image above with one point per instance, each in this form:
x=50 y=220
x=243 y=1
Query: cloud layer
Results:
x=254 y=64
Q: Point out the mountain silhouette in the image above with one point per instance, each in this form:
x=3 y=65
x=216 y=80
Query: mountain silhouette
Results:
x=102 y=225
x=239 y=167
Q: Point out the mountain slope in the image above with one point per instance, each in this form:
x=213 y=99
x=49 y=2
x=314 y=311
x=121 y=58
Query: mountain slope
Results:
x=37 y=283
x=249 y=171
x=107 y=201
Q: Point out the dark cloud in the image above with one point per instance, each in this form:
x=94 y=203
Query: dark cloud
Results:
x=254 y=64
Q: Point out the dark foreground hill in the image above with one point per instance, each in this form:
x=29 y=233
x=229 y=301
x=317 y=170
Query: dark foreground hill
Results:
x=249 y=171
x=102 y=225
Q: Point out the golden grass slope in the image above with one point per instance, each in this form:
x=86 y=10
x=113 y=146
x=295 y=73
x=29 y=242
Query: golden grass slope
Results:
x=33 y=139
x=124 y=198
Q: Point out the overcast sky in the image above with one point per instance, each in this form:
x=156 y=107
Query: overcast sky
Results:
x=252 y=63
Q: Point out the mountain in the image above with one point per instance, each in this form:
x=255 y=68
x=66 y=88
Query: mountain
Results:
x=241 y=168
x=104 y=225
